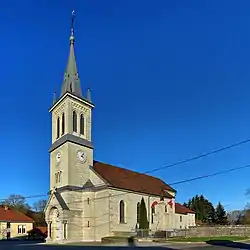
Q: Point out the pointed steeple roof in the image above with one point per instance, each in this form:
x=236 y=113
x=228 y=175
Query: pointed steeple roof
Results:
x=71 y=81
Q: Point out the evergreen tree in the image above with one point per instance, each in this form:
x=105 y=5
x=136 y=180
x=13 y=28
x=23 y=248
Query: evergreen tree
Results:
x=185 y=204
x=143 y=222
x=204 y=209
x=211 y=215
x=221 y=216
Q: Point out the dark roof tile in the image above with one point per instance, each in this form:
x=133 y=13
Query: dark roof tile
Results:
x=129 y=180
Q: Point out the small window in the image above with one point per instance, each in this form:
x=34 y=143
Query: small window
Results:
x=64 y=230
x=88 y=224
x=8 y=224
x=58 y=128
x=180 y=218
x=153 y=210
x=82 y=124
x=166 y=208
x=122 y=211
x=60 y=176
x=63 y=124
x=88 y=201
x=74 y=121
x=21 y=229
x=152 y=214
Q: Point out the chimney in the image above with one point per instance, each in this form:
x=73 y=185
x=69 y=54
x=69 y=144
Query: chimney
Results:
x=6 y=207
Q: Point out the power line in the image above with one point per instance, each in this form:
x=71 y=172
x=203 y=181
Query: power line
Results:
x=179 y=163
x=210 y=175
x=200 y=156
x=27 y=197
x=174 y=183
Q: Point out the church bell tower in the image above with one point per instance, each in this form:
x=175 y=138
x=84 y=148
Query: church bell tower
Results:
x=71 y=152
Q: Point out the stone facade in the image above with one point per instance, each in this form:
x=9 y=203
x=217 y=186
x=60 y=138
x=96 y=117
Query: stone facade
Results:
x=90 y=214
x=84 y=206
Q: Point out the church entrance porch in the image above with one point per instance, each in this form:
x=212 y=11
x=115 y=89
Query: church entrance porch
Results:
x=56 y=226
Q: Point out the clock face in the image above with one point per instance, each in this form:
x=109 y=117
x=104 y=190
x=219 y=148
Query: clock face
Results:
x=58 y=157
x=81 y=156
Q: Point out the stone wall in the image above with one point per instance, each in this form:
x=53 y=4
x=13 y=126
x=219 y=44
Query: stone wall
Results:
x=215 y=231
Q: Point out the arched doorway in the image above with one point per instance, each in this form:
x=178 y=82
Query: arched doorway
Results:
x=55 y=224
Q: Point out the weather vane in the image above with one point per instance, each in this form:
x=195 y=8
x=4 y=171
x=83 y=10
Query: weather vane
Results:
x=72 y=22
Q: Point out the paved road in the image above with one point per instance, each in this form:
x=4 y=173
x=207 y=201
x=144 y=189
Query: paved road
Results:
x=142 y=246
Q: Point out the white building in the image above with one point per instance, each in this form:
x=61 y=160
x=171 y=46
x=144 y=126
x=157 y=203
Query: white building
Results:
x=89 y=199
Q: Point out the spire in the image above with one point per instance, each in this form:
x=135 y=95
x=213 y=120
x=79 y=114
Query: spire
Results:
x=71 y=81
x=89 y=94
x=54 y=98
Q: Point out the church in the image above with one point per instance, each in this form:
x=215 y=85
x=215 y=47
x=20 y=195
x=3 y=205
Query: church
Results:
x=88 y=199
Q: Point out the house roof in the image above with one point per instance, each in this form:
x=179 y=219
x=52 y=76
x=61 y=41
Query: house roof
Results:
x=180 y=209
x=12 y=215
x=129 y=180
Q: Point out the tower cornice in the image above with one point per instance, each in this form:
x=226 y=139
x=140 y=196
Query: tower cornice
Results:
x=76 y=98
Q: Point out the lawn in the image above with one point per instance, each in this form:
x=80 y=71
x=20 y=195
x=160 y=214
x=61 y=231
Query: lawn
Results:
x=204 y=239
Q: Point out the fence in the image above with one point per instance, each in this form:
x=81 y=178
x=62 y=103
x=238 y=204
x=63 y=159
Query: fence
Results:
x=211 y=231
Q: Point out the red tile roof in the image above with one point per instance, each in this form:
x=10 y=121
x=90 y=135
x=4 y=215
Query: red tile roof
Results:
x=129 y=180
x=180 y=209
x=10 y=214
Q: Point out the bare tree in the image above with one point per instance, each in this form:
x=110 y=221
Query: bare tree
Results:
x=39 y=205
x=16 y=201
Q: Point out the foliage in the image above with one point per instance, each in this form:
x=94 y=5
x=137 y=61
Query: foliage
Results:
x=234 y=217
x=143 y=222
x=39 y=205
x=221 y=216
x=244 y=216
x=18 y=202
x=204 y=209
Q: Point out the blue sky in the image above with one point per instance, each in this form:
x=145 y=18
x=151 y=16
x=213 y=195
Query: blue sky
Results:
x=170 y=80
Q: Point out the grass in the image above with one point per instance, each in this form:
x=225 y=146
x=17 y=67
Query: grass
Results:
x=204 y=239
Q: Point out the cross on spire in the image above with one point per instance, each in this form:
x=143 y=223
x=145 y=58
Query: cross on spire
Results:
x=71 y=81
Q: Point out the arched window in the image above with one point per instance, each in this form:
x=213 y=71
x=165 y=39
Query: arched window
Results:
x=153 y=209
x=74 y=121
x=63 y=124
x=122 y=212
x=58 y=128
x=152 y=214
x=138 y=212
x=82 y=124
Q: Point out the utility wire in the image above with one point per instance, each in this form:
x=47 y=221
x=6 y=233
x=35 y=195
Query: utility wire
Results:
x=176 y=164
x=174 y=183
x=210 y=175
